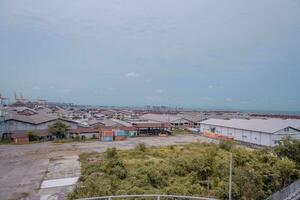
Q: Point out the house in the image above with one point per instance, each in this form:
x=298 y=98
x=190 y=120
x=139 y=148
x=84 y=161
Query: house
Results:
x=263 y=132
x=19 y=138
x=84 y=133
x=22 y=136
x=130 y=131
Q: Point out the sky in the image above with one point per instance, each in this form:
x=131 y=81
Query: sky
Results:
x=225 y=54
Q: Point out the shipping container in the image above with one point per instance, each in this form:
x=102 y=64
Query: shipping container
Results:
x=107 y=138
x=126 y=133
x=109 y=133
x=119 y=133
x=120 y=138
x=132 y=133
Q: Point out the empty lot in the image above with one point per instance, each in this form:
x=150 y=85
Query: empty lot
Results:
x=24 y=167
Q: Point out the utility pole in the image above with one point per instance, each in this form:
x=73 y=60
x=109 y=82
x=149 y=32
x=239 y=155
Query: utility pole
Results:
x=230 y=177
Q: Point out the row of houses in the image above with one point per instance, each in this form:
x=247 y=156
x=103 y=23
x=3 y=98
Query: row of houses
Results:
x=20 y=121
x=259 y=131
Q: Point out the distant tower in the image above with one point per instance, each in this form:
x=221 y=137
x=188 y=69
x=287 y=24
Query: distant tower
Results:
x=2 y=99
x=41 y=101
x=19 y=100
x=2 y=116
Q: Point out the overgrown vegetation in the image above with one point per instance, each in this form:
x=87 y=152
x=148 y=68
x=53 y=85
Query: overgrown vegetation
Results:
x=289 y=148
x=197 y=169
x=141 y=147
x=180 y=131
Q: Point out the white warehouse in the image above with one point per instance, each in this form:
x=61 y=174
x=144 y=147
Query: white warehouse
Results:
x=265 y=132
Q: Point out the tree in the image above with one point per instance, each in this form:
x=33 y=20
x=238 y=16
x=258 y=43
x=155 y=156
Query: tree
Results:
x=289 y=148
x=58 y=129
x=32 y=136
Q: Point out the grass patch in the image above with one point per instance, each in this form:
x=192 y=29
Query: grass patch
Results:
x=180 y=131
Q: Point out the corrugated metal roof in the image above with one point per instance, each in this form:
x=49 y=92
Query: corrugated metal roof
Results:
x=260 y=125
x=123 y=123
x=36 y=118
x=161 y=117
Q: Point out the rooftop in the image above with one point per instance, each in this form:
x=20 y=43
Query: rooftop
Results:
x=260 y=125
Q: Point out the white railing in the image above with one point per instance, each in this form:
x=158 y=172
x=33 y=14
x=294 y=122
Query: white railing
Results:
x=153 y=196
x=287 y=193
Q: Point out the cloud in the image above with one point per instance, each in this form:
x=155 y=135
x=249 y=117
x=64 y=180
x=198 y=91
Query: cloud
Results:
x=65 y=90
x=36 y=87
x=228 y=99
x=111 y=89
x=210 y=86
x=159 y=91
x=132 y=74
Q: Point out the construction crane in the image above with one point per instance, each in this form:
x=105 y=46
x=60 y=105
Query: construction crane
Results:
x=23 y=99
x=41 y=100
x=2 y=98
x=20 y=98
x=16 y=97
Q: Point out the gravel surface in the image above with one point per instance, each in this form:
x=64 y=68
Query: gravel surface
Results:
x=24 y=167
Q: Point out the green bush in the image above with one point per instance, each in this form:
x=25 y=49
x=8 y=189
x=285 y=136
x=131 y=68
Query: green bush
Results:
x=111 y=152
x=226 y=145
x=289 y=148
x=197 y=169
x=141 y=147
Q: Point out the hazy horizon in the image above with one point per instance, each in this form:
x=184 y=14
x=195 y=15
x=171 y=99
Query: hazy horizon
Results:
x=196 y=54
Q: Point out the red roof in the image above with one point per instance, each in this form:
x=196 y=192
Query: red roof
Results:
x=24 y=133
x=85 y=130
x=124 y=128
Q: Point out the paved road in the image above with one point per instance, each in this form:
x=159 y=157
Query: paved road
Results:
x=24 y=167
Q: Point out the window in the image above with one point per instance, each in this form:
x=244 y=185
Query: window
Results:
x=286 y=129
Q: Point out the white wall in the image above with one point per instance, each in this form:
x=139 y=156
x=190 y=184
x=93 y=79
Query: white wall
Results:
x=253 y=137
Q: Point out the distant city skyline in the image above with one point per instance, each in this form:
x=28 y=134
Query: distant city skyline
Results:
x=196 y=54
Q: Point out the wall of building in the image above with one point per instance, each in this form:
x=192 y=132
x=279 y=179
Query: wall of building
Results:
x=12 y=125
x=2 y=124
x=252 y=137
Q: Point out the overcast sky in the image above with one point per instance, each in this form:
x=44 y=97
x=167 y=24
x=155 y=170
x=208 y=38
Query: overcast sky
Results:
x=196 y=53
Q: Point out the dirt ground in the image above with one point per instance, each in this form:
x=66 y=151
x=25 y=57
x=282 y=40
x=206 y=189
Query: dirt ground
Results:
x=24 y=167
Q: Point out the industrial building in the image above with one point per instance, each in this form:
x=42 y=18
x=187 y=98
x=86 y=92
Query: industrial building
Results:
x=174 y=120
x=22 y=118
x=84 y=133
x=18 y=121
x=263 y=132
x=147 y=127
